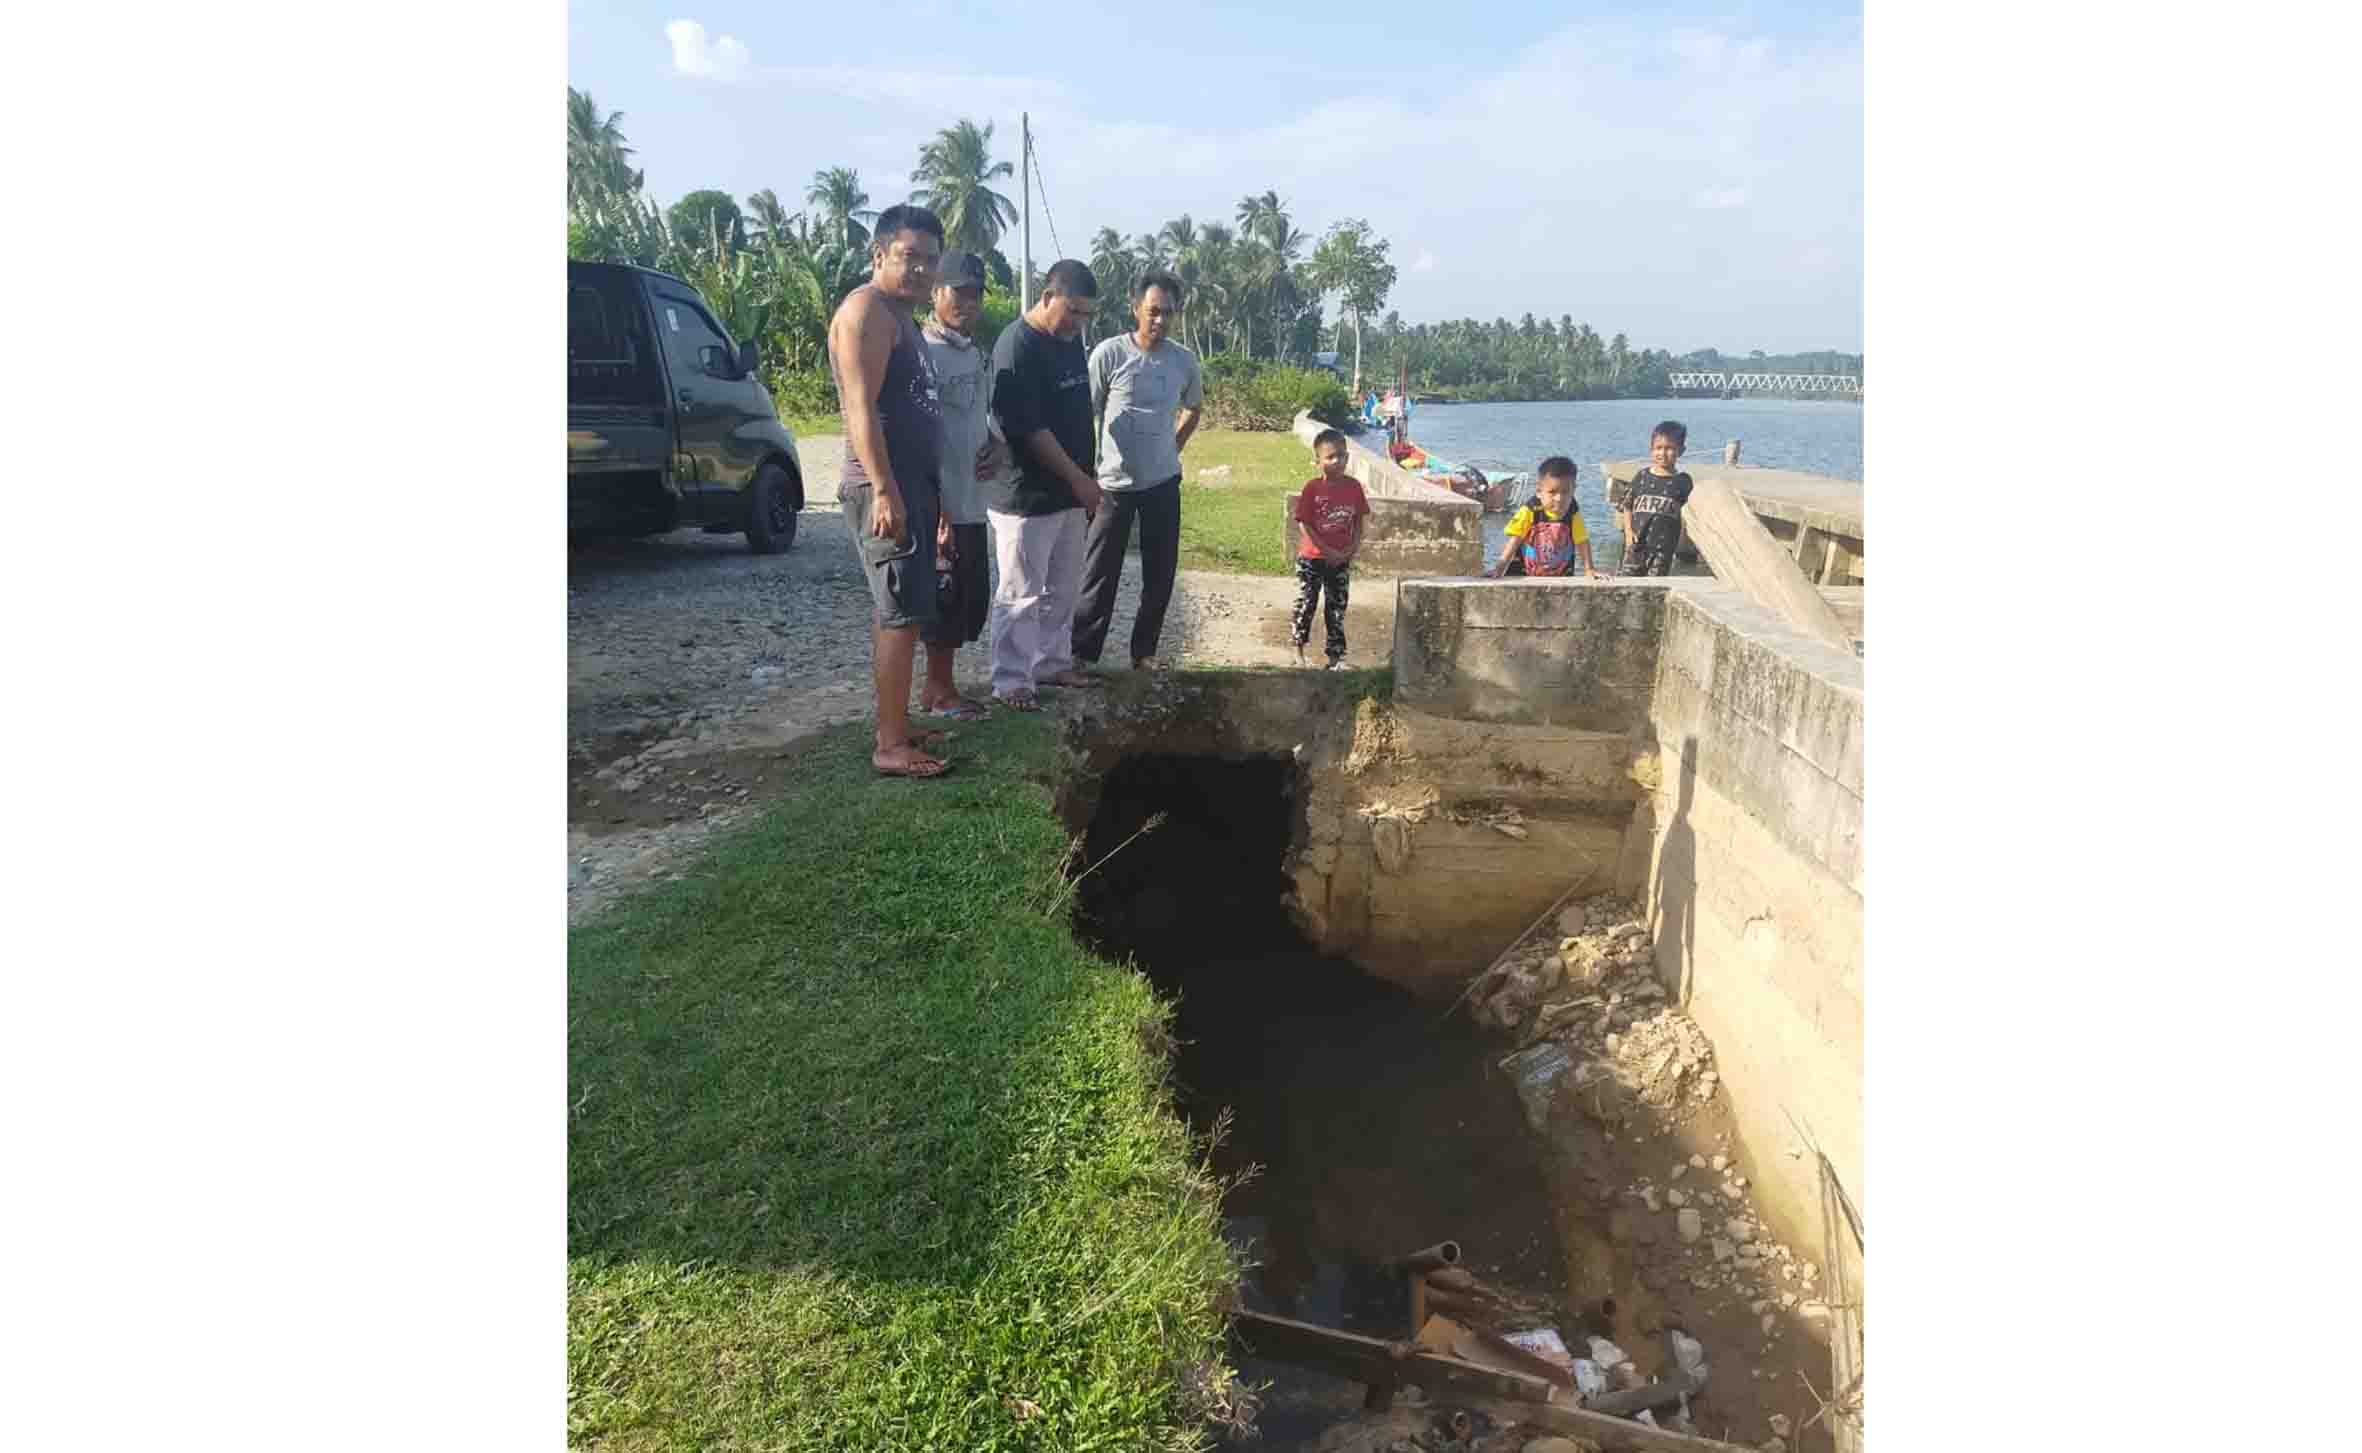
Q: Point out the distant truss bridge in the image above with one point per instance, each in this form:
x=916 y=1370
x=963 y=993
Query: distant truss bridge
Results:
x=1783 y=383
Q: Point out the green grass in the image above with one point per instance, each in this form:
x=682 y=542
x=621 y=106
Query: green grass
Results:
x=866 y=1152
x=1234 y=528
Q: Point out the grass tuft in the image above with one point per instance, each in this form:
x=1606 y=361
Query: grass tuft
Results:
x=866 y=1152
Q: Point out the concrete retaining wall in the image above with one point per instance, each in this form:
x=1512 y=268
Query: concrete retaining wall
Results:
x=1407 y=537
x=1750 y=855
x=1548 y=652
x=1747 y=844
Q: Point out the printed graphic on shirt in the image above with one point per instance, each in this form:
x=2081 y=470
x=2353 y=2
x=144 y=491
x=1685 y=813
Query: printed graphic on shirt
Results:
x=1327 y=512
x=1656 y=502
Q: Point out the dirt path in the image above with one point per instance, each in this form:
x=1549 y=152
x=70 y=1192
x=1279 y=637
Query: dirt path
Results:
x=694 y=668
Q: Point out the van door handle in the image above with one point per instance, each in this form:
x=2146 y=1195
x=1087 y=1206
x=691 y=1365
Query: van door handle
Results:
x=688 y=397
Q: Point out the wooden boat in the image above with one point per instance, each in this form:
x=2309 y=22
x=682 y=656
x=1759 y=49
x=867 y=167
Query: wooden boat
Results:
x=1464 y=480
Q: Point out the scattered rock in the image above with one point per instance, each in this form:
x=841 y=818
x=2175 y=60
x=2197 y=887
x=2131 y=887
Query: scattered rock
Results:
x=1719 y=1161
x=1677 y=1198
x=1775 y=1445
x=1723 y=1250
x=1648 y=1195
x=1679 y=1171
x=1560 y=1445
x=1697 y=1162
x=1570 y=920
x=1780 y=1425
x=1689 y=1226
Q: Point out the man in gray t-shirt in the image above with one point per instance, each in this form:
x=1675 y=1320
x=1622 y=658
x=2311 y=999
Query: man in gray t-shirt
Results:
x=1146 y=393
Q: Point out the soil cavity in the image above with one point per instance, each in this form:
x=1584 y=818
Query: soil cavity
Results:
x=1375 y=1118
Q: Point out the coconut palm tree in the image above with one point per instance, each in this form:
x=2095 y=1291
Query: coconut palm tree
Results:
x=1179 y=236
x=595 y=149
x=844 y=206
x=1216 y=259
x=1114 y=265
x=770 y=218
x=1265 y=217
x=953 y=180
x=1281 y=248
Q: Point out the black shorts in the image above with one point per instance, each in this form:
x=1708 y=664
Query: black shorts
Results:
x=901 y=574
x=959 y=615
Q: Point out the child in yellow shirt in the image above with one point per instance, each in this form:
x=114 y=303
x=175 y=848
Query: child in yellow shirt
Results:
x=1547 y=536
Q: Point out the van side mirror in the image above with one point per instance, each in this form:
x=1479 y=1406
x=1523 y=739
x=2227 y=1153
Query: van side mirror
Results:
x=748 y=359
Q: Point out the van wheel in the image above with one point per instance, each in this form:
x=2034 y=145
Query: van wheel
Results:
x=770 y=511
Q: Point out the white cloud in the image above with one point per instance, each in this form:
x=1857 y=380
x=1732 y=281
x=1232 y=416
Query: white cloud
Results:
x=711 y=58
x=1679 y=221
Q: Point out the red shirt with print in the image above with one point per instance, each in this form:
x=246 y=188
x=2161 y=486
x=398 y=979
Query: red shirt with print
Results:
x=1327 y=512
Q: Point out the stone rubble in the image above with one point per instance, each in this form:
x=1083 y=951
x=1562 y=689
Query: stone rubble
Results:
x=1583 y=991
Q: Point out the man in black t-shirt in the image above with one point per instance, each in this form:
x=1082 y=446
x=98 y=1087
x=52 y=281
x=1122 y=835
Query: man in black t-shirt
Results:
x=1651 y=510
x=1041 y=404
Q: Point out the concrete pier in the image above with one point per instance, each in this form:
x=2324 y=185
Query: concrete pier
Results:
x=1818 y=517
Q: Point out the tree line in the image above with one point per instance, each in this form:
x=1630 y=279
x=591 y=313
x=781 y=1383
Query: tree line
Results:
x=1259 y=286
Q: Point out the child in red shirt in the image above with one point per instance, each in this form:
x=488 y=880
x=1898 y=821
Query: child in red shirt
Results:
x=1331 y=509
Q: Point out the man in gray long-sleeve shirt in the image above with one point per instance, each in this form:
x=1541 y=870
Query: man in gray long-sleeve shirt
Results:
x=1146 y=392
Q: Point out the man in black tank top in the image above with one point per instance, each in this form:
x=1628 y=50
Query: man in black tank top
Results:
x=891 y=489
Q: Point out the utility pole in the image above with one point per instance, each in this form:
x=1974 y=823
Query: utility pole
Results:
x=1025 y=180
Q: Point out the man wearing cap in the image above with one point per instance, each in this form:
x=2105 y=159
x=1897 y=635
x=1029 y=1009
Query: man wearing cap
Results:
x=963 y=378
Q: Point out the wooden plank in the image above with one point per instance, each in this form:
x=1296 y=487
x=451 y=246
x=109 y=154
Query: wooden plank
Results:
x=1741 y=552
x=1375 y=1361
x=1613 y=1435
x=1506 y=1396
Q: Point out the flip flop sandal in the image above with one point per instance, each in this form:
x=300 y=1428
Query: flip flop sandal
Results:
x=921 y=770
x=1020 y=701
x=966 y=711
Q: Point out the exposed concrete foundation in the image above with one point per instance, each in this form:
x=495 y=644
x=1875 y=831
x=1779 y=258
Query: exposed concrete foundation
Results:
x=1747 y=843
x=1664 y=738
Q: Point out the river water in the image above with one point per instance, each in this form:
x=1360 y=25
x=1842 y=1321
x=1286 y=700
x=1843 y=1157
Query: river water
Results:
x=1818 y=436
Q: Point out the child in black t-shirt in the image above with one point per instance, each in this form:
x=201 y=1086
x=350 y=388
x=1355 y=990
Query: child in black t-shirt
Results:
x=1651 y=509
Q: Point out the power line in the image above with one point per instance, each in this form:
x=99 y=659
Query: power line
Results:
x=1045 y=191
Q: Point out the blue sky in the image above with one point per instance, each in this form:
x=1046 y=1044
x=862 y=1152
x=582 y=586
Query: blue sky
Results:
x=1690 y=177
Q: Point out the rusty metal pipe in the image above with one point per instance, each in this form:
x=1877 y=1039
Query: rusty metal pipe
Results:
x=1429 y=1258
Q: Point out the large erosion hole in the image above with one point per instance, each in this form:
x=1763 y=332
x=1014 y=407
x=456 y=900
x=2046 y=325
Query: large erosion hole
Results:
x=1372 y=1118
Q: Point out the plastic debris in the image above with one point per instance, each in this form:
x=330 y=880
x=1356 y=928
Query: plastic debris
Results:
x=1689 y=1354
x=1589 y=1380
x=1545 y=1343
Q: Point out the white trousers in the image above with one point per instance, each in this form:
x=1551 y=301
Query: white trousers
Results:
x=1040 y=560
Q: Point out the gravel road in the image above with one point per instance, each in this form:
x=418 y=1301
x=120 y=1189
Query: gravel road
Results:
x=694 y=667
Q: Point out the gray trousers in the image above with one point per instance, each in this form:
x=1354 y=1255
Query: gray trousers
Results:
x=1158 y=509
